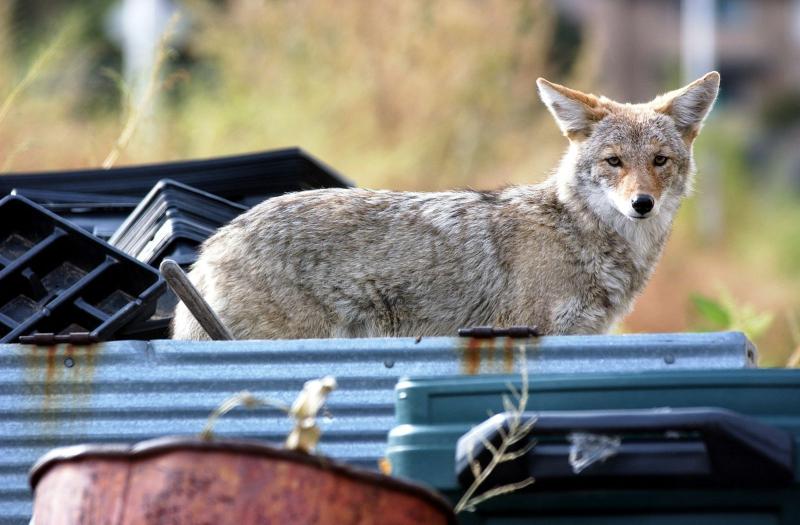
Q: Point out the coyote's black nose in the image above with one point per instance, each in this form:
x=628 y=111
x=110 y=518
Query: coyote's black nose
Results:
x=643 y=203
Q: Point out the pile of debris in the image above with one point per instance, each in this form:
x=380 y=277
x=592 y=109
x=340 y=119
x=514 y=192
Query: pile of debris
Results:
x=79 y=250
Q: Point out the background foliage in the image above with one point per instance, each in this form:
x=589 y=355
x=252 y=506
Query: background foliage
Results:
x=407 y=95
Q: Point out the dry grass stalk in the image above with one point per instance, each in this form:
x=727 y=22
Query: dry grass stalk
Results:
x=518 y=430
x=33 y=72
x=305 y=409
x=242 y=399
x=794 y=328
x=138 y=109
x=16 y=150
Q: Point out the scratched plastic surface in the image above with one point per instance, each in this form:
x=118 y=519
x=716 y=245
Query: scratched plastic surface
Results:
x=55 y=278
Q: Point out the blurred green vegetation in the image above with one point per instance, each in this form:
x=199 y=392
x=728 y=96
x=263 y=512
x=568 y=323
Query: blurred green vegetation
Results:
x=726 y=314
x=404 y=95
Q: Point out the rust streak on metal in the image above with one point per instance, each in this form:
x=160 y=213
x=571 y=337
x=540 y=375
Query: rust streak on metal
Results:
x=89 y=354
x=50 y=370
x=472 y=356
x=73 y=369
x=82 y=373
x=491 y=351
x=43 y=374
x=508 y=355
x=485 y=338
x=60 y=377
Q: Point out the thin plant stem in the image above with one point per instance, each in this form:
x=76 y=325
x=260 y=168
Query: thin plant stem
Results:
x=517 y=431
x=137 y=111
x=242 y=399
x=32 y=74
x=794 y=358
x=17 y=150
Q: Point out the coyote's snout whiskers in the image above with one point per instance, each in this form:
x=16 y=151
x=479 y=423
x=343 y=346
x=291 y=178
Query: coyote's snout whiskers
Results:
x=568 y=255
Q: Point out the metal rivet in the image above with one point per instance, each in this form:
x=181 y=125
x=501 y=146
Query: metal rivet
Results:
x=69 y=362
x=669 y=359
x=388 y=363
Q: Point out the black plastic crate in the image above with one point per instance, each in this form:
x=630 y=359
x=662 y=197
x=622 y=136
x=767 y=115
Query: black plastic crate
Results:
x=173 y=220
x=157 y=325
x=98 y=200
x=58 y=279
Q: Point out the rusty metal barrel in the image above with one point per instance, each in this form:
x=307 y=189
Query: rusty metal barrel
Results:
x=190 y=481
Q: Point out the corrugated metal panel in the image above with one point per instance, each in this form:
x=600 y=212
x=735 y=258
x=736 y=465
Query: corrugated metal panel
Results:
x=128 y=391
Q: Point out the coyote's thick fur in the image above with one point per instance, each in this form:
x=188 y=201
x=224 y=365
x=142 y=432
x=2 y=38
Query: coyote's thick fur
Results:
x=568 y=255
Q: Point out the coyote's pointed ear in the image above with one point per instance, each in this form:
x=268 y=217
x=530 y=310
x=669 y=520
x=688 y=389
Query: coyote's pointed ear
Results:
x=689 y=105
x=575 y=112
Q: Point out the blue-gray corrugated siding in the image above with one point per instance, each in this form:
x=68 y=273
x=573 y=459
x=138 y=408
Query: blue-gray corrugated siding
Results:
x=128 y=391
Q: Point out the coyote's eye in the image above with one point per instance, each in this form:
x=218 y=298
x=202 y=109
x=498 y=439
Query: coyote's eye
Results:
x=614 y=161
x=660 y=160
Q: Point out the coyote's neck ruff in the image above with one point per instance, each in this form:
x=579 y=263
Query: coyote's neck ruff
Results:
x=568 y=255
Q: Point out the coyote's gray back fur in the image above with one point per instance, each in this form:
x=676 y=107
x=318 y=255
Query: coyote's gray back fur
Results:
x=568 y=255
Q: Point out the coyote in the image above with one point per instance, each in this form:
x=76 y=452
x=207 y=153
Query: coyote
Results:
x=568 y=255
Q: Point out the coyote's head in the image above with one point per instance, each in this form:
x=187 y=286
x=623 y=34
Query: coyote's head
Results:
x=631 y=160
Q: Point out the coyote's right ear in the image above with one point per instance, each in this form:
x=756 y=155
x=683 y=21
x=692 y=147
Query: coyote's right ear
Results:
x=575 y=112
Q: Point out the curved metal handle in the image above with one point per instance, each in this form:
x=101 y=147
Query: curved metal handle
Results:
x=179 y=282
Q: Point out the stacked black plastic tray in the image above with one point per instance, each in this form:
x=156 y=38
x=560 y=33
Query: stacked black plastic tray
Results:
x=59 y=283
x=172 y=220
x=58 y=276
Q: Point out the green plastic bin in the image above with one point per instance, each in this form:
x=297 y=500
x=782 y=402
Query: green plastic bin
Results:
x=433 y=413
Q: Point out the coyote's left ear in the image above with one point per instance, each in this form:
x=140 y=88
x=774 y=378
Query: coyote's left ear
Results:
x=574 y=111
x=689 y=105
